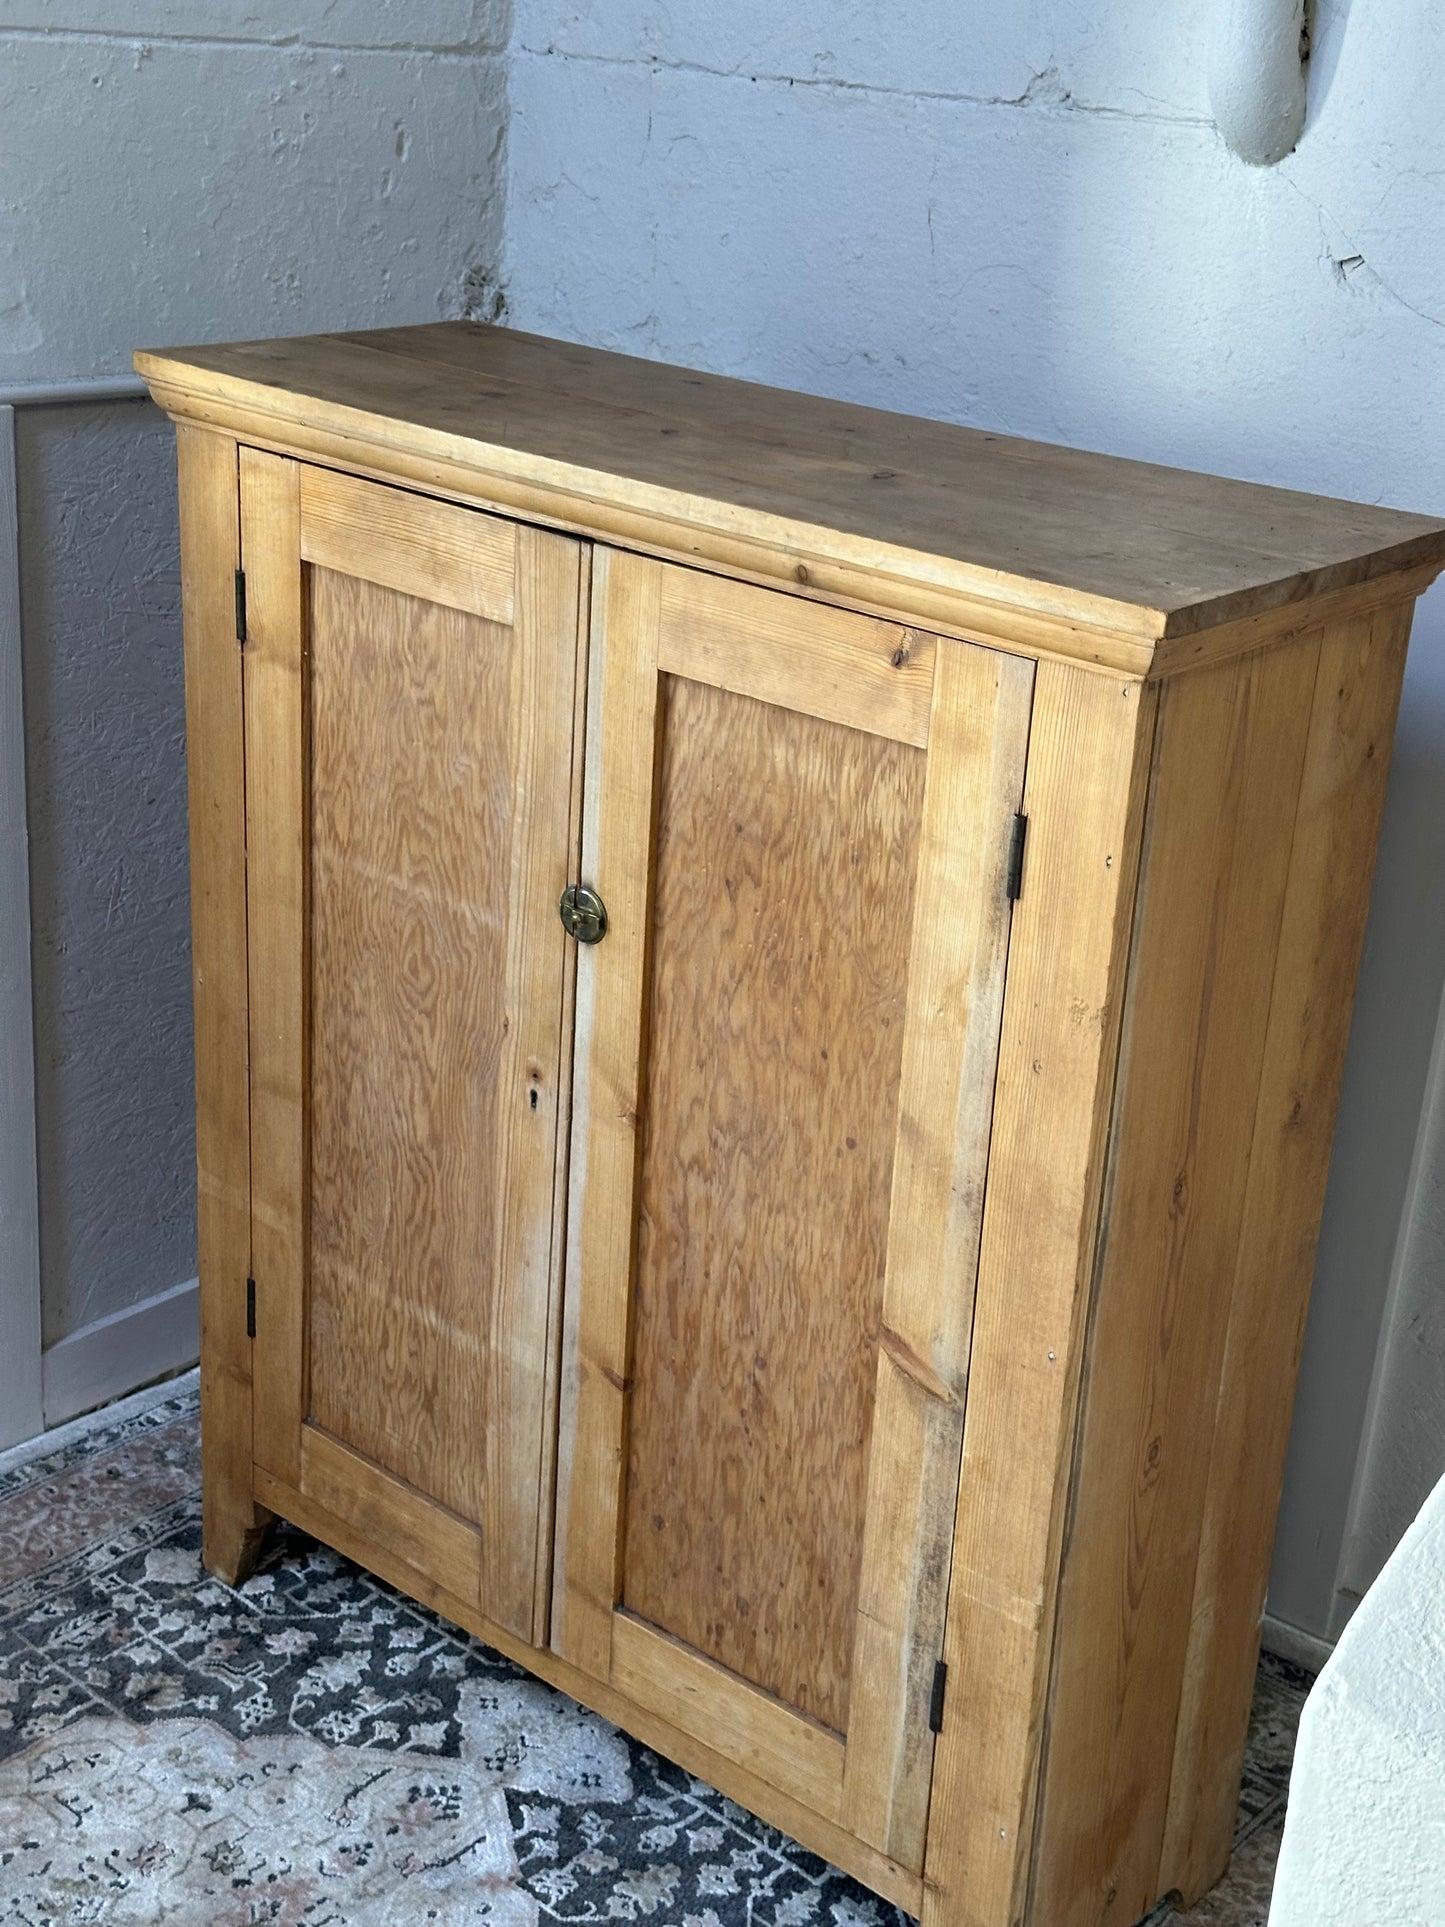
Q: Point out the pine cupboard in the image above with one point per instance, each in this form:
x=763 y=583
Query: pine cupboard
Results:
x=771 y=983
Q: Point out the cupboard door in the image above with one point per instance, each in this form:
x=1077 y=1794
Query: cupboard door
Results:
x=800 y=821
x=409 y=679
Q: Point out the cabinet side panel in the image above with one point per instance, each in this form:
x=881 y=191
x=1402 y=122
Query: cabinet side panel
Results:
x=787 y=849
x=1326 y=900
x=215 y=752
x=1087 y=773
x=1229 y=754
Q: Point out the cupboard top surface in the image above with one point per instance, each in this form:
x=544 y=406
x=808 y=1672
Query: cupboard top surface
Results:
x=1154 y=552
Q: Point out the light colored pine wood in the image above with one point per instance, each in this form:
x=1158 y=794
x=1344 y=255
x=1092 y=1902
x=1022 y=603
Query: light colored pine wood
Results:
x=830 y=663
x=232 y=1523
x=743 y=913
x=276 y=949
x=431 y=794
x=1084 y=796
x=426 y=1536
x=552 y=1417
x=772 y=1803
x=1117 y=545
x=1230 y=747
x=897 y=589
x=1118 y=1370
x=21 y=1410
x=611 y=980
x=530 y=1095
x=728 y=1714
x=978 y=736
x=774 y=1043
x=422 y=547
x=411 y=868
x=1332 y=846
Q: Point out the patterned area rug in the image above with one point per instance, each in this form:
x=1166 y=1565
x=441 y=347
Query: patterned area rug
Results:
x=314 y=1750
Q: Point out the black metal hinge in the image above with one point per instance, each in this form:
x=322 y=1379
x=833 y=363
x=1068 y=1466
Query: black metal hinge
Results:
x=240 y=605
x=1016 y=858
x=935 y=1698
x=250 y=1308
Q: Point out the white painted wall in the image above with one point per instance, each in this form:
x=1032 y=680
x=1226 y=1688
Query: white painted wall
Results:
x=1364 y=1838
x=1020 y=215
x=199 y=172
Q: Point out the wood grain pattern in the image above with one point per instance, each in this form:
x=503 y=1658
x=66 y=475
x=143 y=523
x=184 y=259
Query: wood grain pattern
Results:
x=1119 y=544
x=978 y=737
x=822 y=1401
x=409 y=843
x=215 y=775
x=1084 y=796
x=431 y=1540
x=829 y=663
x=779 y=979
x=751 y=1727
x=1230 y=748
x=424 y=548
x=1332 y=849
x=368 y=1545
x=617 y=836
x=276 y=949
x=531 y=1091
x=411 y=866
x=557 y=1309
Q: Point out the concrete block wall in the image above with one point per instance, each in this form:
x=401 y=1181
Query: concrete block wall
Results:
x=1021 y=216
x=194 y=172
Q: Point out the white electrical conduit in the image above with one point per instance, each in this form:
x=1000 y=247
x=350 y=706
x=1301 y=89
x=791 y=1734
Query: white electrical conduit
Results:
x=49 y=394
x=1257 y=76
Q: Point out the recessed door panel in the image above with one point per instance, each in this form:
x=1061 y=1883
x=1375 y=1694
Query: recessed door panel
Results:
x=785 y=861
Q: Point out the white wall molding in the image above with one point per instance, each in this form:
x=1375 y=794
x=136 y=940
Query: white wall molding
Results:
x=20 y=1402
x=1294 y=1643
x=113 y=1355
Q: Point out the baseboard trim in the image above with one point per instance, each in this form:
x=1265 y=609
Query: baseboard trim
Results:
x=113 y=1356
x=1294 y=1643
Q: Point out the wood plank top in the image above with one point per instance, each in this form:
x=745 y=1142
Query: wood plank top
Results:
x=1095 y=540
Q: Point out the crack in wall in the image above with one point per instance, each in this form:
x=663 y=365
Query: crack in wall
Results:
x=1045 y=90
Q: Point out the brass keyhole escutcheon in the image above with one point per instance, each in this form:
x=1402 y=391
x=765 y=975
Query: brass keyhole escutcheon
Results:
x=583 y=913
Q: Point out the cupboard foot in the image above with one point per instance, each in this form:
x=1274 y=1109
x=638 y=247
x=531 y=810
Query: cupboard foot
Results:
x=231 y=1545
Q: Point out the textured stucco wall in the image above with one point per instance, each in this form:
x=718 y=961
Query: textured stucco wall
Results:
x=1364 y=1839
x=209 y=172
x=1022 y=216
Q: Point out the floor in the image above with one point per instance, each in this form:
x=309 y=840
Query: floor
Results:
x=316 y=1751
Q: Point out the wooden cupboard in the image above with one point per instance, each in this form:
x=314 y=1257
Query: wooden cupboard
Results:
x=829 y=1298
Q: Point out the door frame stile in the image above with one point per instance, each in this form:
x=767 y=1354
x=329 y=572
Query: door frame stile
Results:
x=1090 y=758
x=276 y=860
x=977 y=752
x=622 y=749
